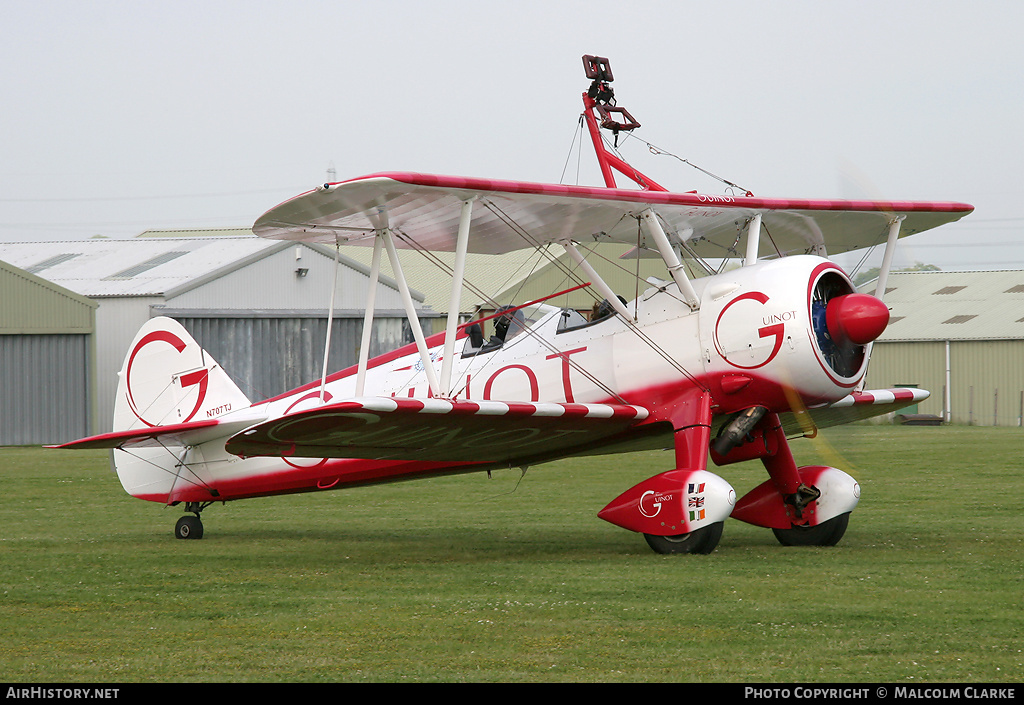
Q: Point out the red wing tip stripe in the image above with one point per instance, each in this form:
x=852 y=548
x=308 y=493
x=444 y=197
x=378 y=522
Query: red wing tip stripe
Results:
x=882 y=396
x=656 y=197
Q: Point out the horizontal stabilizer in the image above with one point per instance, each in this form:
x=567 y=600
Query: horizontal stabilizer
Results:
x=854 y=407
x=182 y=434
x=435 y=429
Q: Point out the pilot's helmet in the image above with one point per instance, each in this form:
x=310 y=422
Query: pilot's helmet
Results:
x=502 y=322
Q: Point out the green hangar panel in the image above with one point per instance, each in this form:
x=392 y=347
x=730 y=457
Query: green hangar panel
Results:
x=960 y=335
x=46 y=360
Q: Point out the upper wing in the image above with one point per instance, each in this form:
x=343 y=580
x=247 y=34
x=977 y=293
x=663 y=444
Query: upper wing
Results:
x=424 y=210
x=854 y=407
x=435 y=429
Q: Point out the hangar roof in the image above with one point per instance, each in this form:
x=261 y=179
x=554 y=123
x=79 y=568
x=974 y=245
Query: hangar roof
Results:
x=954 y=305
x=32 y=305
x=135 y=267
x=149 y=265
x=514 y=277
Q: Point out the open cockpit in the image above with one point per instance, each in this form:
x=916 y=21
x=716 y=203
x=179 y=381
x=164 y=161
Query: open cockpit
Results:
x=511 y=322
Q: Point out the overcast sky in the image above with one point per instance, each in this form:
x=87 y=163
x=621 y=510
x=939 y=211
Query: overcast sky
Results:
x=120 y=117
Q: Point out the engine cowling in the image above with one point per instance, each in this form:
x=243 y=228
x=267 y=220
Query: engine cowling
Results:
x=844 y=322
x=795 y=323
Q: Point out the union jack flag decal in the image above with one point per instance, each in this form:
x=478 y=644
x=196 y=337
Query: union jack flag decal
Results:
x=695 y=501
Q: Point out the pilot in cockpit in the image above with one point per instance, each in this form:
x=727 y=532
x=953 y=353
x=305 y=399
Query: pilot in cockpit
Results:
x=603 y=309
x=507 y=325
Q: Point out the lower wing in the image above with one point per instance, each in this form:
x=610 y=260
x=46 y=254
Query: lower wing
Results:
x=853 y=407
x=434 y=429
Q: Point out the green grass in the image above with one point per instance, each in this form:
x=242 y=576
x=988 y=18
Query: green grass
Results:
x=470 y=579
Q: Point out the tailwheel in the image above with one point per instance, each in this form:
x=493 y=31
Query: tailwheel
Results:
x=700 y=541
x=825 y=534
x=189 y=527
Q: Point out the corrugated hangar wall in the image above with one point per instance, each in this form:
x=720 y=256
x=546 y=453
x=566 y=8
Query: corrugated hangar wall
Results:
x=44 y=391
x=46 y=360
x=959 y=330
x=986 y=377
x=267 y=355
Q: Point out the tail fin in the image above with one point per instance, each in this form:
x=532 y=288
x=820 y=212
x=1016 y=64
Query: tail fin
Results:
x=166 y=379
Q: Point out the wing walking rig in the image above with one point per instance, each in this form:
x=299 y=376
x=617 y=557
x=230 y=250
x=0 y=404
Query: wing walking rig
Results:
x=727 y=365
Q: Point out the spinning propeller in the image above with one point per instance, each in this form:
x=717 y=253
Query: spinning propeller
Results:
x=803 y=417
x=844 y=322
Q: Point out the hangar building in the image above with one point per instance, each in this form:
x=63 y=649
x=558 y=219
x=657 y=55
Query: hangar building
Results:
x=959 y=335
x=258 y=306
x=47 y=349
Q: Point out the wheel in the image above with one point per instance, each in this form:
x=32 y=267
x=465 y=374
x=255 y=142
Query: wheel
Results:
x=188 y=527
x=826 y=534
x=702 y=540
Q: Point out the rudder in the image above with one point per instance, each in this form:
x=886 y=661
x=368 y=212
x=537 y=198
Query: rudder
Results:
x=166 y=378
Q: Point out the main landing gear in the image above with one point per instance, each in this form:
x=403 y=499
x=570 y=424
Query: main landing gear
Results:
x=682 y=510
x=803 y=506
x=191 y=527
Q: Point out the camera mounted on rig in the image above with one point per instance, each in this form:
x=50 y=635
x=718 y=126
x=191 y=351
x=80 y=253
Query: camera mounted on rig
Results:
x=602 y=95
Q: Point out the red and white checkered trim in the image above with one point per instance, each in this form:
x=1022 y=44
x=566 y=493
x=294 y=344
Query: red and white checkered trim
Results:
x=882 y=396
x=494 y=408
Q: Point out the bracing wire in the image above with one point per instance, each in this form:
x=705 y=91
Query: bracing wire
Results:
x=658 y=151
x=576 y=133
x=527 y=237
x=544 y=252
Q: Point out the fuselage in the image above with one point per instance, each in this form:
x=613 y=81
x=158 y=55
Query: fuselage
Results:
x=753 y=338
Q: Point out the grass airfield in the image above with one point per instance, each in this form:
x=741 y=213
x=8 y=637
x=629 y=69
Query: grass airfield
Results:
x=515 y=579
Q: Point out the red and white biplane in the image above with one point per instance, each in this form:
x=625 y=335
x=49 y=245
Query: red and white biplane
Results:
x=725 y=365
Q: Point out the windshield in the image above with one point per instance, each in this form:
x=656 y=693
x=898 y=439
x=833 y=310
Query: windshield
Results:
x=531 y=315
x=508 y=324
